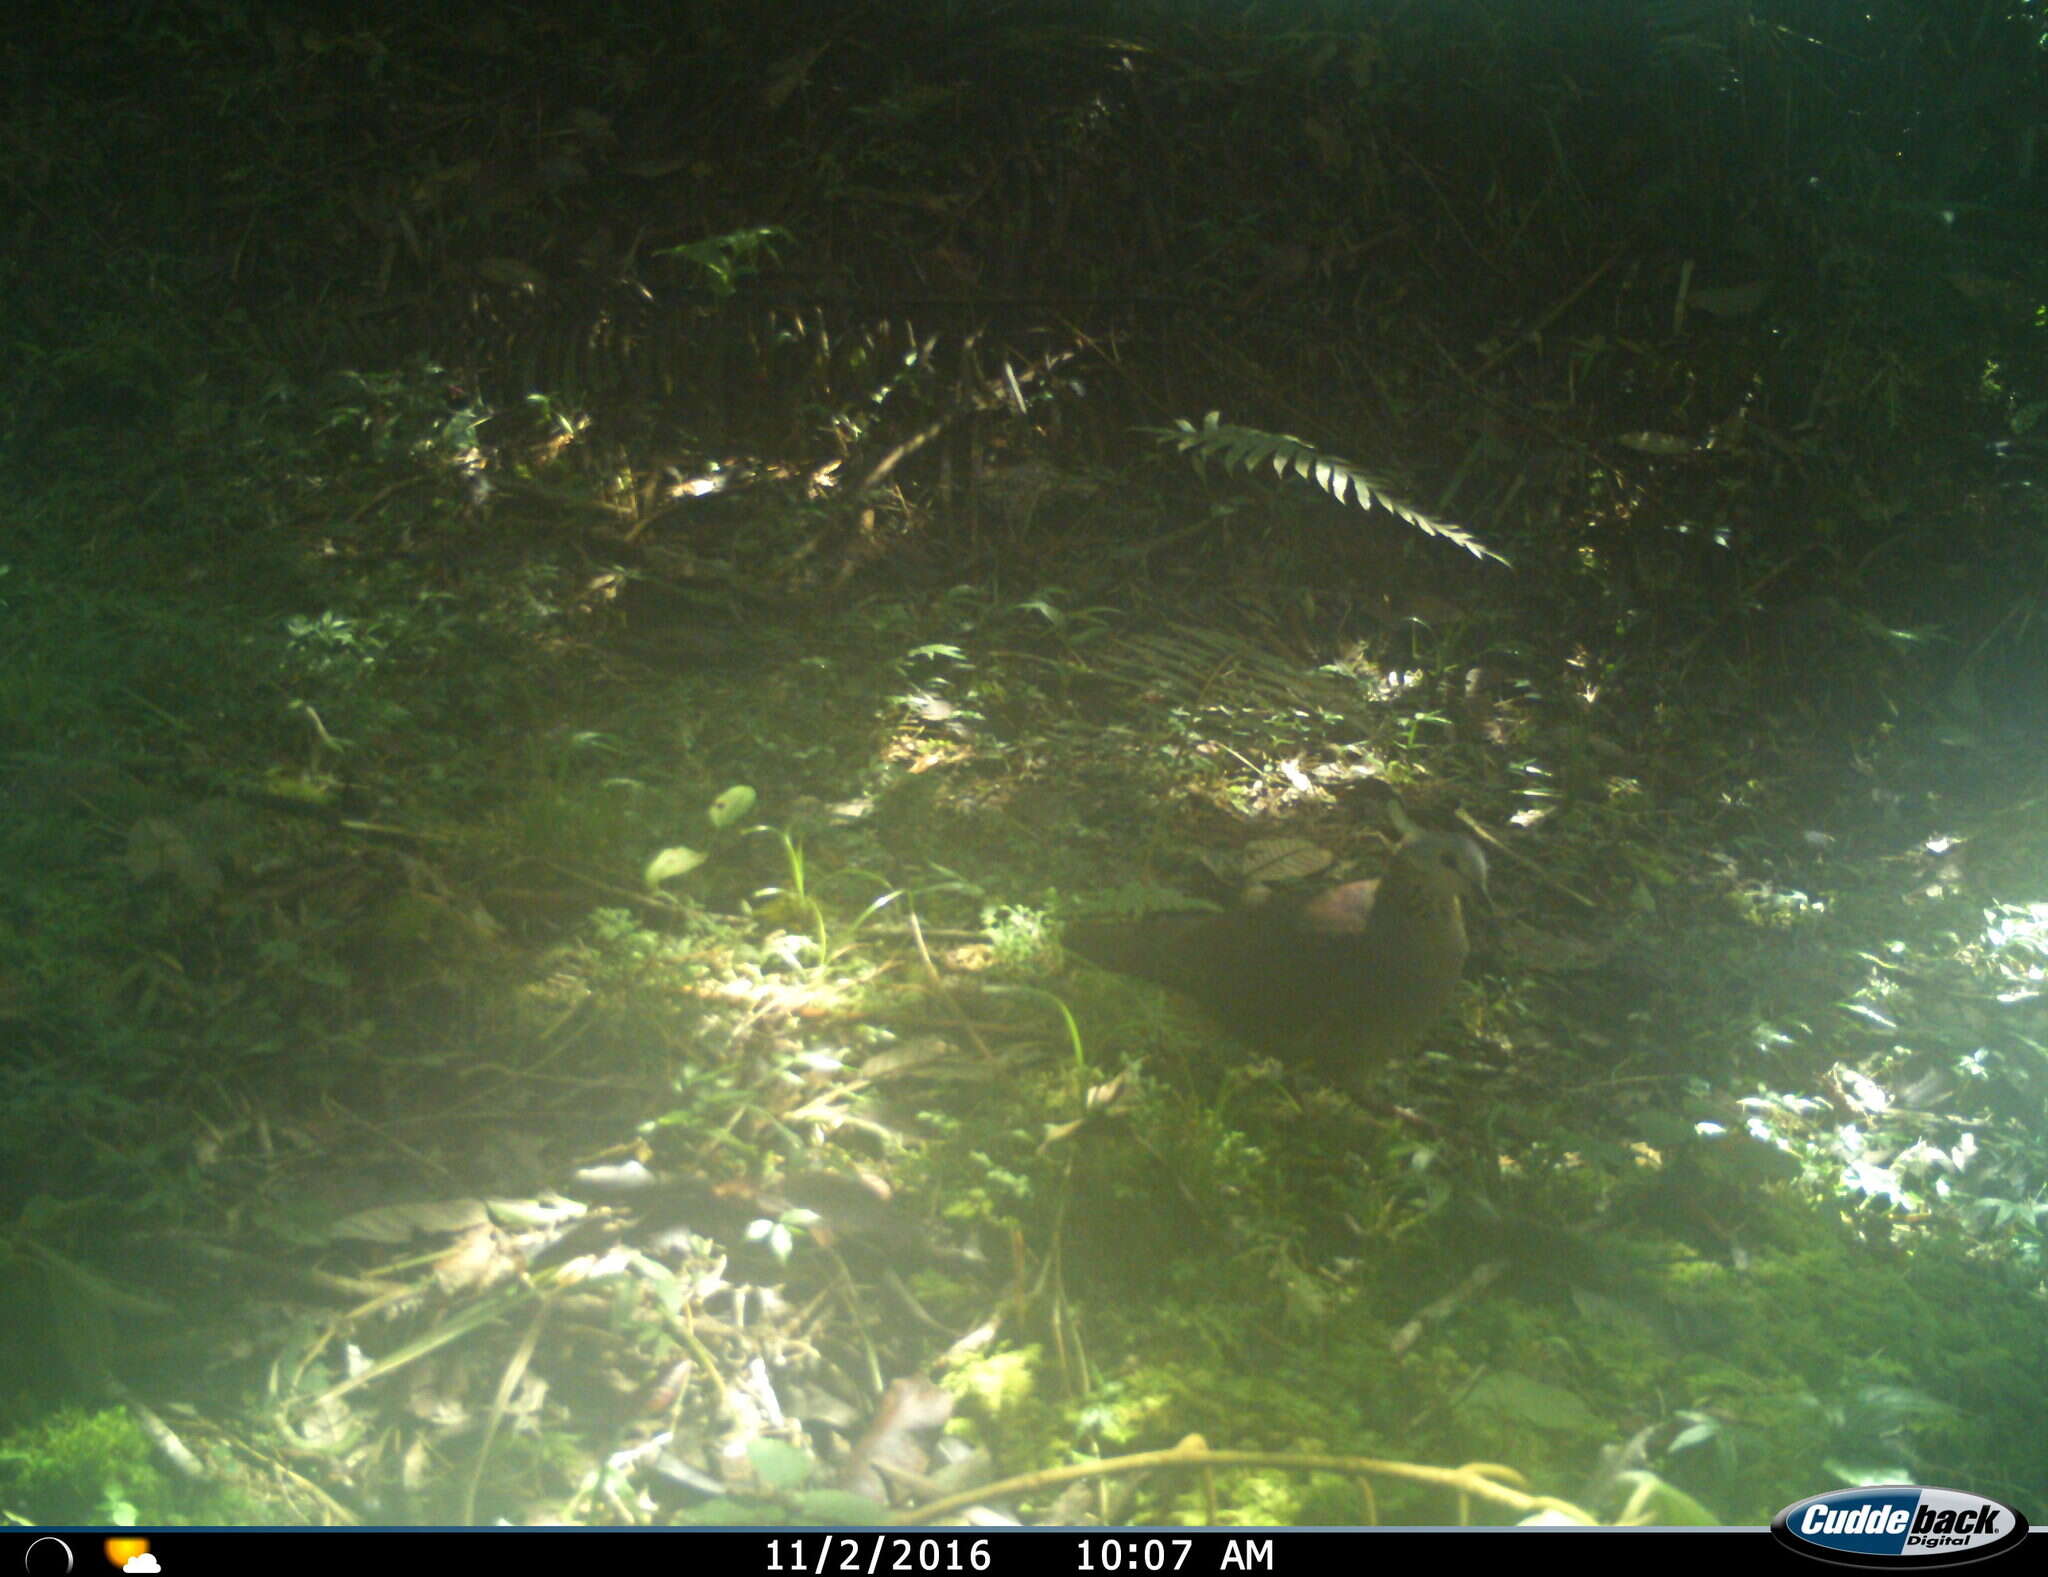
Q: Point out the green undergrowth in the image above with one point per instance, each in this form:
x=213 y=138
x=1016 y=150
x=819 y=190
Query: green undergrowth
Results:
x=1259 y=1267
x=100 y=1468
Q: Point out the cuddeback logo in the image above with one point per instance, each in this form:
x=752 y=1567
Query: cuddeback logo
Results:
x=1898 y=1524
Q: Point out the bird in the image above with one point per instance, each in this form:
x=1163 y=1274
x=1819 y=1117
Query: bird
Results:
x=1345 y=979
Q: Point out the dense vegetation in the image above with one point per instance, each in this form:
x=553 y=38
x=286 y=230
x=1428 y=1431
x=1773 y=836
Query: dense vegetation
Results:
x=582 y=601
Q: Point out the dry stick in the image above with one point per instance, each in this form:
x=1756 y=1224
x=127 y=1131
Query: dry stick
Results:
x=1543 y=322
x=1476 y=1479
x=944 y=993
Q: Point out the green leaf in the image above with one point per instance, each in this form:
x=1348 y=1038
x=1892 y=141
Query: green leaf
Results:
x=725 y=1512
x=730 y=806
x=1654 y=1503
x=671 y=863
x=839 y=1505
x=780 y=1465
x=1524 y=1399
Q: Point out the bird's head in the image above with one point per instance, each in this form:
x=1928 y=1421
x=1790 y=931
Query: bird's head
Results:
x=1445 y=862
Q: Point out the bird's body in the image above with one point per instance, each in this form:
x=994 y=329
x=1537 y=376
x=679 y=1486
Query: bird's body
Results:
x=1346 y=978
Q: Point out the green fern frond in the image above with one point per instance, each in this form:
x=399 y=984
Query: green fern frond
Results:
x=1249 y=448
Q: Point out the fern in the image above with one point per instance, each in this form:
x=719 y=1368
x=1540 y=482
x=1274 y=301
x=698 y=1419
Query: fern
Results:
x=1343 y=480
